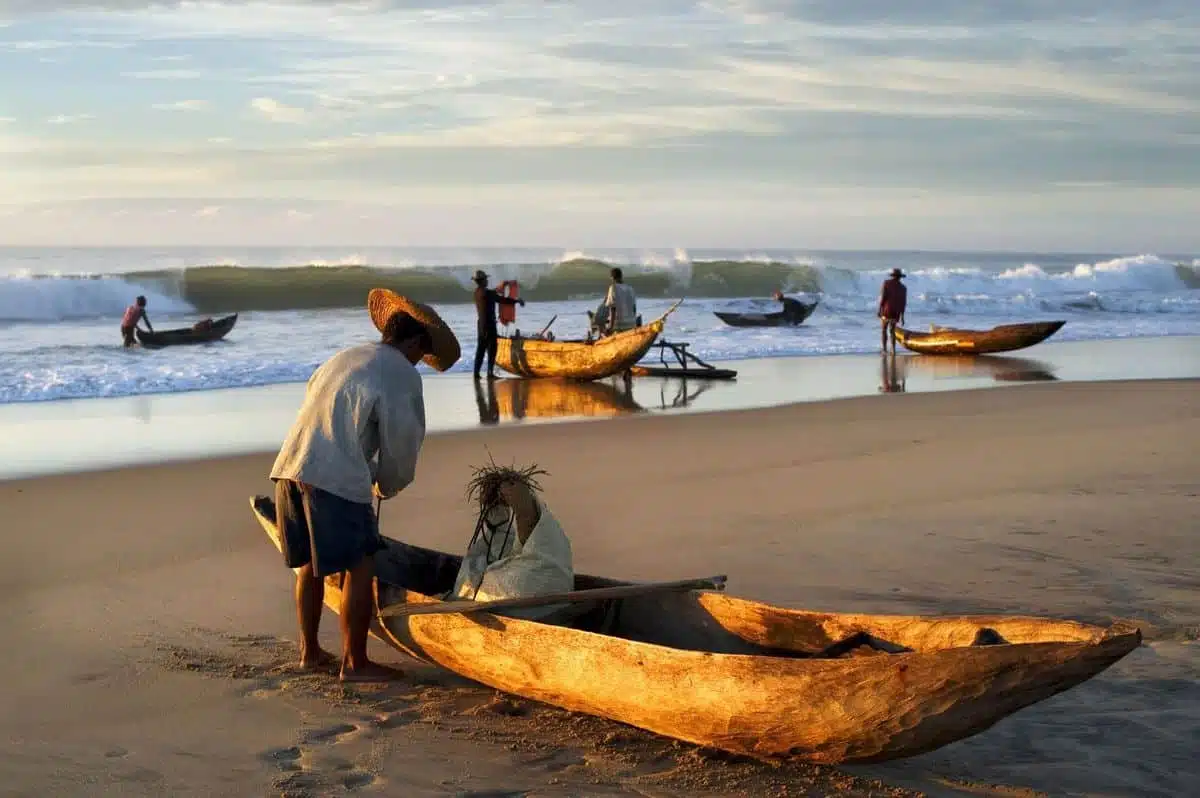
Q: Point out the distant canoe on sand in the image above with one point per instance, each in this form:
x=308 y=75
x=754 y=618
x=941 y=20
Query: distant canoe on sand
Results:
x=739 y=675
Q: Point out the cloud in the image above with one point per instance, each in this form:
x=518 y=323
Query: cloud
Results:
x=164 y=74
x=182 y=105
x=68 y=119
x=276 y=111
x=384 y=98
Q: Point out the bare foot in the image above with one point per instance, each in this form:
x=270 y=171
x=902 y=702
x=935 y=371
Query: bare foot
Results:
x=323 y=660
x=371 y=672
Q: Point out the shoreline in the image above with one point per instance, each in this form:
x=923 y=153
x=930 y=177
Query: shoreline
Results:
x=87 y=434
x=159 y=604
x=266 y=454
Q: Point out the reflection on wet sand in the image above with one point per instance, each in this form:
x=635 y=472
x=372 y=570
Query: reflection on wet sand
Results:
x=998 y=367
x=893 y=374
x=685 y=393
x=514 y=399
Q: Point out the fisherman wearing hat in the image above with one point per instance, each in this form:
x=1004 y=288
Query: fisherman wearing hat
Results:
x=356 y=438
x=488 y=337
x=893 y=298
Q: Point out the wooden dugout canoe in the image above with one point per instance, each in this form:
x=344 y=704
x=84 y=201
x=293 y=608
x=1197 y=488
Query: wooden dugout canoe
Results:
x=579 y=360
x=742 y=676
x=187 y=335
x=775 y=319
x=952 y=341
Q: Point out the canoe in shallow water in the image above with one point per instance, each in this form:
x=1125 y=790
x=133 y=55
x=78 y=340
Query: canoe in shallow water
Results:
x=196 y=334
x=952 y=341
x=776 y=319
x=742 y=676
x=578 y=360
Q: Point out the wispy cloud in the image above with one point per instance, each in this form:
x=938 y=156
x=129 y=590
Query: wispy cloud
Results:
x=68 y=119
x=385 y=98
x=182 y=105
x=276 y=111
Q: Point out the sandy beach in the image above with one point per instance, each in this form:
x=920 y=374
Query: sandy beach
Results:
x=149 y=621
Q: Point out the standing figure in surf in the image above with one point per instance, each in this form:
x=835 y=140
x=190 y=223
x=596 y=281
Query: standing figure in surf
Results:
x=893 y=298
x=620 y=303
x=133 y=314
x=488 y=337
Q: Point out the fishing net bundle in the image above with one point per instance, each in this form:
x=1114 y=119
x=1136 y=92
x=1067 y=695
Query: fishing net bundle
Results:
x=495 y=521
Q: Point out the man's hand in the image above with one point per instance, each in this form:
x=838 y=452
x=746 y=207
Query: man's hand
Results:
x=522 y=301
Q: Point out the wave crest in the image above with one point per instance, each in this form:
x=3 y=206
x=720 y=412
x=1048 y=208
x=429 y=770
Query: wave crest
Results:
x=1143 y=283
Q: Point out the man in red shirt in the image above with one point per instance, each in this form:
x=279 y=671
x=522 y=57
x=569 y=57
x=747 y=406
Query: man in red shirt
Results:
x=893 y=298
x=133 y=314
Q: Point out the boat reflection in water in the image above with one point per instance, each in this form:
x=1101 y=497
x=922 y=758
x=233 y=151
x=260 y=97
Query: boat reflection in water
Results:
x=516 y=399
x=998 y=367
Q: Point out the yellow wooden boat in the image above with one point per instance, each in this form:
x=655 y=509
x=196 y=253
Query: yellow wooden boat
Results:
x=740 y=675
x=954 y=341
x=580 y=359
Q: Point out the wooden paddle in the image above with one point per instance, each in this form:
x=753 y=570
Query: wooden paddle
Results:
x=547 y=327
x=596 y=594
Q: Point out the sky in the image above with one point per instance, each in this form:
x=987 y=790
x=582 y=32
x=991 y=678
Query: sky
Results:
x=1063 y=125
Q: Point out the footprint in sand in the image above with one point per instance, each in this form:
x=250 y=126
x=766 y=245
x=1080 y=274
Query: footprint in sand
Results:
x=394 y=720
x=331 y=734
x=284 y=758
x=357 y=779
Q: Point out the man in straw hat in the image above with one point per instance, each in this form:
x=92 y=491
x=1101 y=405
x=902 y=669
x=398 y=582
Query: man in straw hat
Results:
x=893 y=298
x=356 y=437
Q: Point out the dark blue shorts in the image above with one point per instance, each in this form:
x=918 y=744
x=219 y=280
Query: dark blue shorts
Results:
x=332 y=533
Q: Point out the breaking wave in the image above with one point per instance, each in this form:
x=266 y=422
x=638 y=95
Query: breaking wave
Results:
x=1140 y=284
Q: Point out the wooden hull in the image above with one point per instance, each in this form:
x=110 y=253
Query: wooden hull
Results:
x=950 y=341
x=577 y=360
x=777 y=319
x=742 y=676
x=556 y=398
x=187 y=335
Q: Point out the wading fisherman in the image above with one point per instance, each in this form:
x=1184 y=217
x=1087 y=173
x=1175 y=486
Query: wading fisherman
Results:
x=794 y=310
x=133 y=314
x=356 y=438
x=893 y=298
x=488 y=337
x=621 y=304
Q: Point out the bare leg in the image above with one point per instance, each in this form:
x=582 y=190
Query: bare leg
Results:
x=358 y=605
x=310 y=598
x=883 y=335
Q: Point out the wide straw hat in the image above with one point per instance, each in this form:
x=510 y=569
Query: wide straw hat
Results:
x=383 y=303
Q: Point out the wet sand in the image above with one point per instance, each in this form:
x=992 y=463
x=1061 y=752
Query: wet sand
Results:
x=149 y=621
x=82 y=435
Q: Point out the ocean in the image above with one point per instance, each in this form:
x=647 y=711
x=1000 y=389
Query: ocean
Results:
x=60 y=307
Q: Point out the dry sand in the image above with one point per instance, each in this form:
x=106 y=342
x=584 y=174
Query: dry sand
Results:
x=147 y=620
